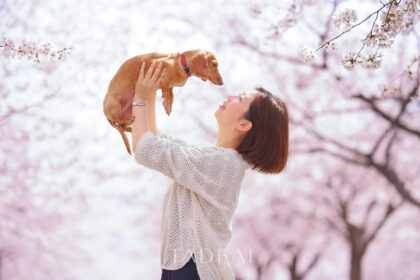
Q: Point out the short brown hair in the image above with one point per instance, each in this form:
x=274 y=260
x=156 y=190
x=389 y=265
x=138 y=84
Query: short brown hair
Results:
x=266 y=145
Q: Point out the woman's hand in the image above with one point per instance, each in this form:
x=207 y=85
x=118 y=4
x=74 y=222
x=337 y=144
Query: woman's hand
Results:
x=149 y=84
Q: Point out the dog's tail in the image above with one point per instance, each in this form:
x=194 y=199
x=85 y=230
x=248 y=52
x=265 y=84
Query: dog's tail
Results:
x=125 y=139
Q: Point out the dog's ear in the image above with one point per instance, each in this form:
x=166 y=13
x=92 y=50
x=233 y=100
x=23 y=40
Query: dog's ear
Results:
x=200 y=64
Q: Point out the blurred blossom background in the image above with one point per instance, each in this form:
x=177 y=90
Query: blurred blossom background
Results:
x=75 y=205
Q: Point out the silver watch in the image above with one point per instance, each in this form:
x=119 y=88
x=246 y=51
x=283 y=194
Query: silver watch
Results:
x=139 y=103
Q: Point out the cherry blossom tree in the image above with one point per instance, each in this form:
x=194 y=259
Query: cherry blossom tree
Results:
x=352 y=197
x=284 y=236
x=407 y=88
x=391 y=140
x=32 y=219
x=316 y=213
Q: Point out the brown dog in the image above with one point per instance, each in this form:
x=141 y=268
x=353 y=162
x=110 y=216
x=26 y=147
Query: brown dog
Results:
x=119 y=98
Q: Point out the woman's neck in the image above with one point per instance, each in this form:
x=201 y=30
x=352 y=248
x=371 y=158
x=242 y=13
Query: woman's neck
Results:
x=226 y=141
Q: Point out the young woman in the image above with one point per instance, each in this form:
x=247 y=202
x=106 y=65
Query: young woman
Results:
x=199 y=206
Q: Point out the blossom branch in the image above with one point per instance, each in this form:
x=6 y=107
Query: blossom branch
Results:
x=370 y=34
x=399 y=18
x=31 y=51
x=337 y=22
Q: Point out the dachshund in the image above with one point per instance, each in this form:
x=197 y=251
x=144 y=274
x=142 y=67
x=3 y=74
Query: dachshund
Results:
x=117 y=104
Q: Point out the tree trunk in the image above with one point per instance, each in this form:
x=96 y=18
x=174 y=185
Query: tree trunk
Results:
x=294 y=274
x=259 y=272
x=295 y=277
x=356 y=266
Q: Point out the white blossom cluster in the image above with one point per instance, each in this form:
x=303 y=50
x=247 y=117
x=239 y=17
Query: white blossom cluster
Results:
x=395 y=17
x=394 y=90
x=409 y=71
x=345 y=17
x=326 y=45
x=306 y=53
x=31 y=51
x=372 y=61
x=389 y=91
x=281 y=22
x=350 y=60
x=399 y=18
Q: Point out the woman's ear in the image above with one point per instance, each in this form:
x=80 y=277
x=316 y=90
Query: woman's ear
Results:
x=200 y=63
x=244 y=125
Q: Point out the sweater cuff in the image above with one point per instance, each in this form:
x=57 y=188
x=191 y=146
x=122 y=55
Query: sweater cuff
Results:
x=141 y=142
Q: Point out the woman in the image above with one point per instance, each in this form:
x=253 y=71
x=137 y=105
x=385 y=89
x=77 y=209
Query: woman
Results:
x=198 y=208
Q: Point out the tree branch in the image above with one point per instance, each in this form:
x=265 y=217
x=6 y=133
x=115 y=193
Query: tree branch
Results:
x=394 y=121
x=371 y=205
x=312 y=264
x=393 y=178
x=388 y=148
x=390 y=209
x=342 y=157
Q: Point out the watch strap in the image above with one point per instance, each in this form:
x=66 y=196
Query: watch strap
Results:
x=139 y=103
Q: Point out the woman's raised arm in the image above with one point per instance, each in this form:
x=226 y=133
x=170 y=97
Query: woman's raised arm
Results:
x=145 y=91
x=152 y=114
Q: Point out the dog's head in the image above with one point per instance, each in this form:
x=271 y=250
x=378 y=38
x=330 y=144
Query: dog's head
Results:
x=205 y=67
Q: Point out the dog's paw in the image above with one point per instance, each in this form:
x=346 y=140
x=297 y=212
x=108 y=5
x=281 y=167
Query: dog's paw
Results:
x=126 y=128
x=168 y=109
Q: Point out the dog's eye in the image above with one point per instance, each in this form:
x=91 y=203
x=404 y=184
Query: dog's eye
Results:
x=214 y=64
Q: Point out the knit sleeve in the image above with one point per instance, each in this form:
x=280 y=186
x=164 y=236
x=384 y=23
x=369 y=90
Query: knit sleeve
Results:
x=203 y=170
x=177 y=140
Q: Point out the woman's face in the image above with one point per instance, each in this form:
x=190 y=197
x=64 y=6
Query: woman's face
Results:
x=231 y=112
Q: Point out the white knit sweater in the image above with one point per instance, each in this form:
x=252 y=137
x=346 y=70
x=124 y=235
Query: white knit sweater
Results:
x=198 y=207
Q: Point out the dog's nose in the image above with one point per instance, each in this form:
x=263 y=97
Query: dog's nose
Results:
x=220 y=82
